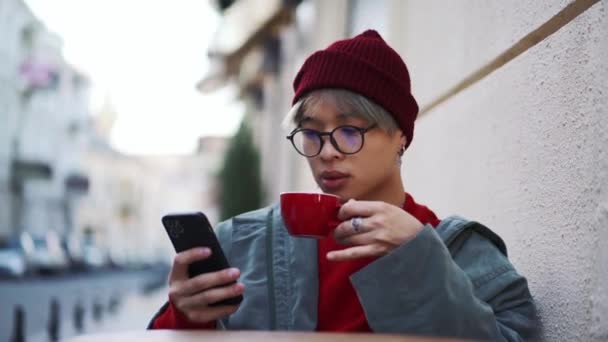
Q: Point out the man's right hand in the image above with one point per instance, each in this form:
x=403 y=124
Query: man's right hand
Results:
x=192 y=296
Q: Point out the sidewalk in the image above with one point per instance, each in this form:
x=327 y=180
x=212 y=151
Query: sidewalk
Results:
x=133 y=313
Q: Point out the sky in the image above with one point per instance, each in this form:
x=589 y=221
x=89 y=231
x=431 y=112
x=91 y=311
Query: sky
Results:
x=147 y=56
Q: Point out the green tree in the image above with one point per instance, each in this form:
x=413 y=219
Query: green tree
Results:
x=240 y=179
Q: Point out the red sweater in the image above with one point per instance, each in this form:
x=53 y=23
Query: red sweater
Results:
x=339 y=308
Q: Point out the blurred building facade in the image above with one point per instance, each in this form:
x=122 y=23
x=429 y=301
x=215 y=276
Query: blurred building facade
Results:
x=44 y=103
x=129 y=194
x=58 y=170
x=512 y=131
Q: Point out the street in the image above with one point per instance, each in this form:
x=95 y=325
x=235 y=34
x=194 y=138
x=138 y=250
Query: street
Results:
x=52 y=309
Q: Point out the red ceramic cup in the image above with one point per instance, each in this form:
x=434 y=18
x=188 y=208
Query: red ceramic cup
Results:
x=310 y=215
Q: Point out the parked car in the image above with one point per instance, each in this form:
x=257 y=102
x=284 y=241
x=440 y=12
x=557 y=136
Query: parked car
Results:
x=84 y=252
x=12 y=261
x=44 y=254
x=72 y=244
x=95 y=256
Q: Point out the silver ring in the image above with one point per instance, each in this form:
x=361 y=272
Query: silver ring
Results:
x=356 y=222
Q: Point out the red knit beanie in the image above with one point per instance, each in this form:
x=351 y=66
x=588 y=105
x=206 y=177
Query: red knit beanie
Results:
x=366 y=65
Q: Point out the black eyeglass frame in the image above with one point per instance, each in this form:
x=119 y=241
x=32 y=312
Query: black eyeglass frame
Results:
x=333 y=142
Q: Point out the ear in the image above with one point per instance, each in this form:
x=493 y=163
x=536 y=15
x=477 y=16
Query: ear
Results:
x=402 y=142
x=402 y=139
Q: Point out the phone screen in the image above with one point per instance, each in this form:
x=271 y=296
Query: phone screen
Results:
x=191 y=230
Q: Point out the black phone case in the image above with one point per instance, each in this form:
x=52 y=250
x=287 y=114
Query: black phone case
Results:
x=190 y=230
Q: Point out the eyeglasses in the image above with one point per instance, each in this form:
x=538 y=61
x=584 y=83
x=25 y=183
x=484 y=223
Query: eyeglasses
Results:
x=345 y=139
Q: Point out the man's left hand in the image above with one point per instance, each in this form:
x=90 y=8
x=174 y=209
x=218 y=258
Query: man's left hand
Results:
x=373 y=228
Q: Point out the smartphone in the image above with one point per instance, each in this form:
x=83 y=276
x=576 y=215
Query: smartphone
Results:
x=190 y=230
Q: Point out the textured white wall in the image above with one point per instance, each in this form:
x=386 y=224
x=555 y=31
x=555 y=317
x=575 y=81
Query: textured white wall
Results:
x=442 y=41
x=525 y=150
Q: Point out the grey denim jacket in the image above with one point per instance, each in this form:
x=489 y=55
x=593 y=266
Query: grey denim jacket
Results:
x=454 y=280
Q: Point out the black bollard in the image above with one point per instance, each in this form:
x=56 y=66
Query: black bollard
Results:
x=97 y=310
x=114 y=304
x=54 y=324
x=78 y=316
x=18 y=325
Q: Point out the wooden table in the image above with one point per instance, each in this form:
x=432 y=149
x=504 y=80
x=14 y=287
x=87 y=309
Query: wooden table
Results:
x=247 y=336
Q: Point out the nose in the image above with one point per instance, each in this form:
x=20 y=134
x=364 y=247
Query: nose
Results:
x=329 y=151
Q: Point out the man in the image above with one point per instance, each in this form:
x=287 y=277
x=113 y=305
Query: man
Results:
x=391 y=266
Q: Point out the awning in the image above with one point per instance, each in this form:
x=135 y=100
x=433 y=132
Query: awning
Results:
x=24 y=170
x=244 y=25
x=214 y=79
x=77 y=184
x=31 y=169
x=241 y=23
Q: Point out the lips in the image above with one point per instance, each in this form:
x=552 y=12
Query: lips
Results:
x=332 y=180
